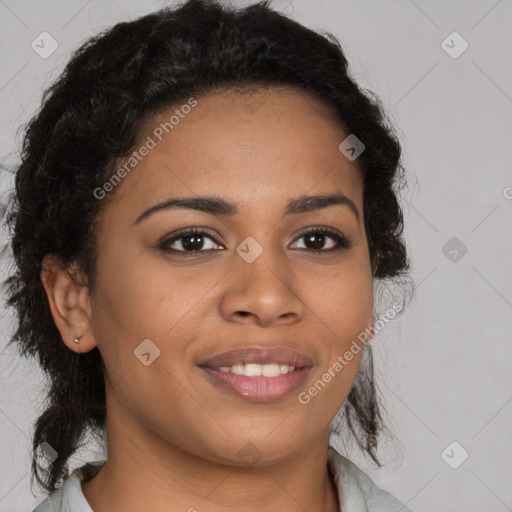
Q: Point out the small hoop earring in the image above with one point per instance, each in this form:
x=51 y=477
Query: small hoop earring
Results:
x=77 y=339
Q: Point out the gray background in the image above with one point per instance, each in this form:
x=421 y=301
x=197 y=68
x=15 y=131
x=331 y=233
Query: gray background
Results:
x=444 y=366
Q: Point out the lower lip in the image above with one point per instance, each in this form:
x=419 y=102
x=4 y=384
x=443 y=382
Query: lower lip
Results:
x=260 y=389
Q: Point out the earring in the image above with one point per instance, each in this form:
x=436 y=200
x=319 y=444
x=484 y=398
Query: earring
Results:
x=77 y=339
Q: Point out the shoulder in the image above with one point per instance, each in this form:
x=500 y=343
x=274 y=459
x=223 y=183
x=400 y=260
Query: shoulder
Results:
x=69 y=497
x=356 y=490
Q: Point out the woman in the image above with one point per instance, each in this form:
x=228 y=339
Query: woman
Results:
x=204 y=203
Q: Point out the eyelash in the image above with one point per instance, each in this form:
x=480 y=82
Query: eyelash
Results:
x=341 y=241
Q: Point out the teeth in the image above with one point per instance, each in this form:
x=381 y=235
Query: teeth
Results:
x=238 y=369
x=256 y=370
x=253 y=370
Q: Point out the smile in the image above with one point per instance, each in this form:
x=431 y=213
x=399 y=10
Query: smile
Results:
x=256 y=373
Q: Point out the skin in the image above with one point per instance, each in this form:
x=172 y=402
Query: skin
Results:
x=173 y=437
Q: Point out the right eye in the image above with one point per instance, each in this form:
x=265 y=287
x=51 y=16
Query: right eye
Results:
x=192 y=241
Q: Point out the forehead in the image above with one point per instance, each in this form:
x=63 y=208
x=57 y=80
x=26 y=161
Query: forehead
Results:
x=266 y=145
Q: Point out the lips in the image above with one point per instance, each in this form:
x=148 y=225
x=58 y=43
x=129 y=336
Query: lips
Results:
x=255 y=355
x=253 y=372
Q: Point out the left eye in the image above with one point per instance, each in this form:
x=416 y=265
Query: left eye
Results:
x=318 y=236
x=193 y=240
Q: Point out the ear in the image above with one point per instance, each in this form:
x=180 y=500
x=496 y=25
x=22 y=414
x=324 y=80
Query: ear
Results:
x=69 y=301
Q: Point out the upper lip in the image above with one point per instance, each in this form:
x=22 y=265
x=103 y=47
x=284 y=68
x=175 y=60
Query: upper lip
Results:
x=257 y=355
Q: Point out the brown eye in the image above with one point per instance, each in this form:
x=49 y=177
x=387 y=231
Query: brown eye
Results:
x=192 y=240
x=315 y=239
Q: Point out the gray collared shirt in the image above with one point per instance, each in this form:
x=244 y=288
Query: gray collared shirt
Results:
x=356 y=491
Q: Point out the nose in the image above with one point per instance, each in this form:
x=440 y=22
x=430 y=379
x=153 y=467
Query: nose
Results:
x=262 y=292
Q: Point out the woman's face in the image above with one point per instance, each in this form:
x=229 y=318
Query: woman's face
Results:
x=251 y=280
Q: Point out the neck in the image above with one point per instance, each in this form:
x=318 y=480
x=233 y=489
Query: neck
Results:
x=144 y=472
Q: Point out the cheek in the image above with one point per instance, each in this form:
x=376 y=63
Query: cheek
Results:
x=342 y=309
x=341 y=297
x=146 y=295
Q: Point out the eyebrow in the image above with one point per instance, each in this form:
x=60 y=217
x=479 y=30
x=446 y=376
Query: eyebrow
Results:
x=218 y=206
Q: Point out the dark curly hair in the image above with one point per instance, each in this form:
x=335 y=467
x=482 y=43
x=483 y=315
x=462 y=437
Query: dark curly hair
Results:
x=92 y=115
